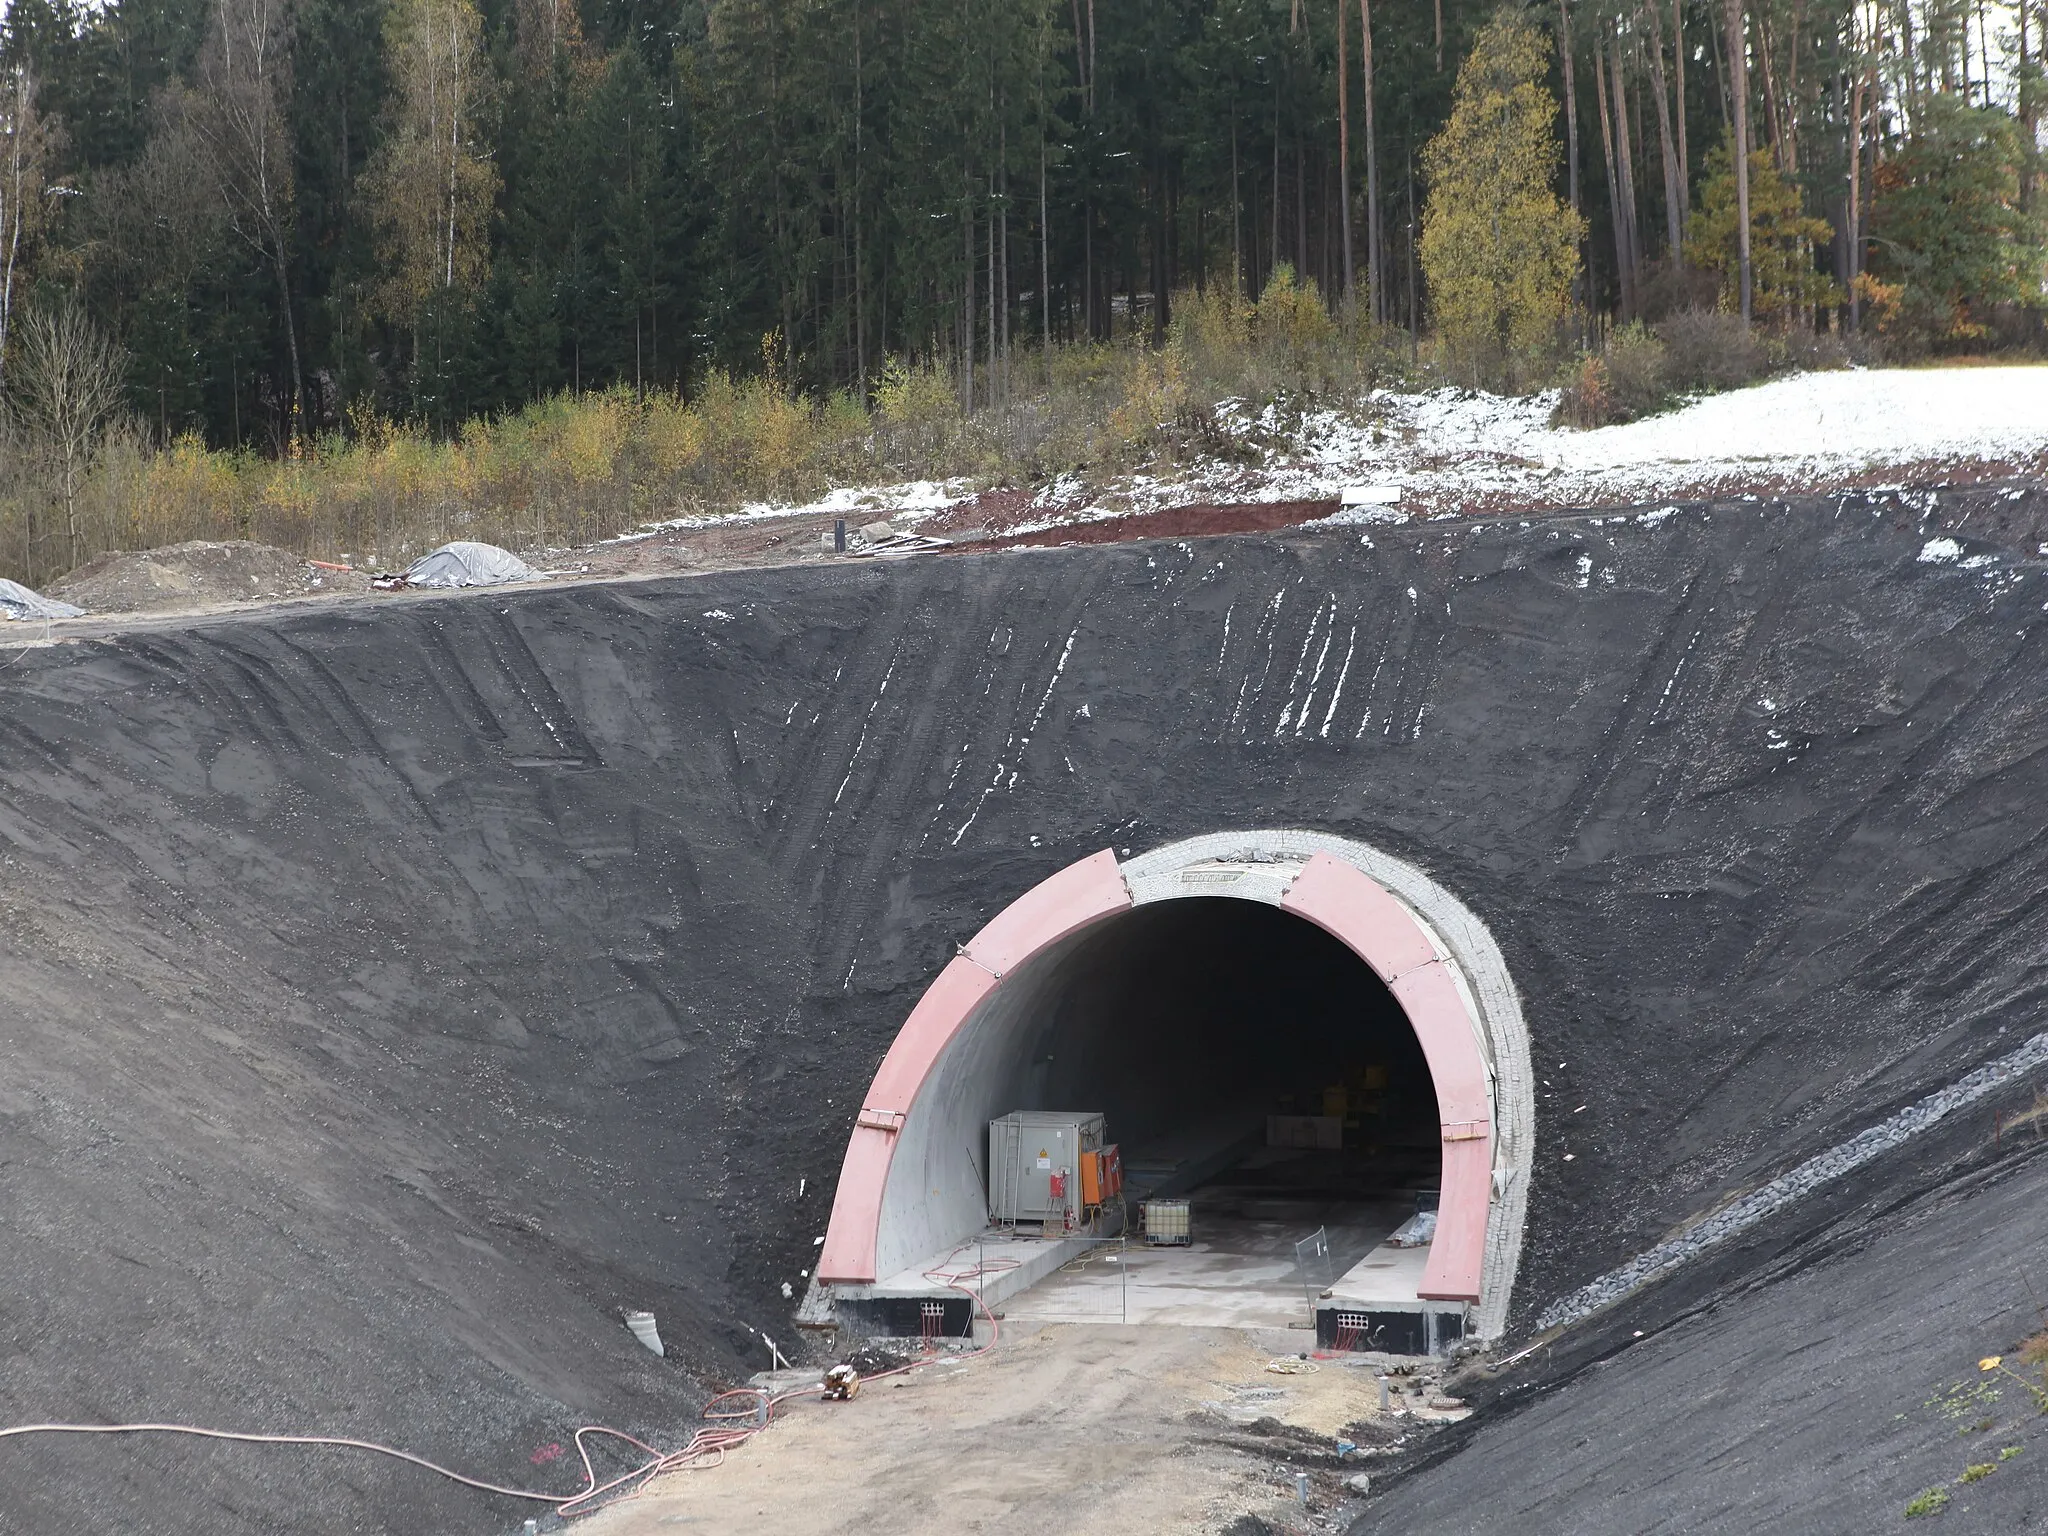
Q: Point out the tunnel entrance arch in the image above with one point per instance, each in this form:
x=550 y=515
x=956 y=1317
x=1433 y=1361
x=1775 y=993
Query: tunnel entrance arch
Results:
x=984 y=1040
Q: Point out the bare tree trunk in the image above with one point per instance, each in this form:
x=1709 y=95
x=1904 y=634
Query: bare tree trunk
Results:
x=1627 y=243
x=1414 y=304
x=860 y=292
x=1852 y=233
x=1791 y=107
x=1344 y=140
x=967 y=306
x=1738 y=95
x=994 y=341
x=1773 y=116
x=1091 y=57
x=1571 y=99
x=1678 y=61
x=1274 y=253
x=1375 y=265
x=1301 y=265
x=1674 y=193
x=1236 y=207
x=1984 y=48
x=1582 y=278
x=1080 y=54
x=1624 y=269
x=1624 y=148
x=2029 y=114
x=21 y=193
x=1044 y=257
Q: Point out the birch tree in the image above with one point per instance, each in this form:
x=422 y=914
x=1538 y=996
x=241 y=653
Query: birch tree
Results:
x=27 y=142
x=69 y=382
x=238 y=110
x=433 y=180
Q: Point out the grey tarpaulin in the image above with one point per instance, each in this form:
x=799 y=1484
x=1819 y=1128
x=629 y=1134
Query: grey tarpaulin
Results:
x=18 y=602
x=468 y=564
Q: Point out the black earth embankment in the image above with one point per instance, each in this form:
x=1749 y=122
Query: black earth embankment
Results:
x=395 y=993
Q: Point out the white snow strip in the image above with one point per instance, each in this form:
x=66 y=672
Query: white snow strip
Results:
x=1342 y=673
x=1301 y=661
x=1329 y=635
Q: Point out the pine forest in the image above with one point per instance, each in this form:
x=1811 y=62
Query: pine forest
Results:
x=601 y=261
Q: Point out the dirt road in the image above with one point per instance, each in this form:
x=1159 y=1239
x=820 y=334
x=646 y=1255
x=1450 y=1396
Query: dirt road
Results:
x=1066 y=1430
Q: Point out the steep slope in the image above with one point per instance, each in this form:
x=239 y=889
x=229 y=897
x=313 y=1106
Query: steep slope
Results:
x=397 y=991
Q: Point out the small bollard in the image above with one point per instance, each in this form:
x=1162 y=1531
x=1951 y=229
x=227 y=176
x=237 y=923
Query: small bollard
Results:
x=1301 y=1486
x=1386 y=1399
x=839 y=535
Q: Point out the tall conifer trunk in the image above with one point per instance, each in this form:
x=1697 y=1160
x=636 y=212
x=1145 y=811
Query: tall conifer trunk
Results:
x=1374 y=274
x=1738 y=96
x=1344 y=141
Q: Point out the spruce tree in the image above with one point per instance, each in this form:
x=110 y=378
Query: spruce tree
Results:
x=1499 y=247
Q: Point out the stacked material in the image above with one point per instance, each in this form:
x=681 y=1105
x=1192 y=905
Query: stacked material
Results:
x=19 y=602
x=465 y=563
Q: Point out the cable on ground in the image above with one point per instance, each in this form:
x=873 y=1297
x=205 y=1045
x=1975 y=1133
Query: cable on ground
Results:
x=724 y=1428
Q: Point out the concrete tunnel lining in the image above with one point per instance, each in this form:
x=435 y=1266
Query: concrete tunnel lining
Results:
x=912 y=1187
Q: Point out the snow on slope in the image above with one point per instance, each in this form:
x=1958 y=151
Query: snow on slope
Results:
x=1456 y=451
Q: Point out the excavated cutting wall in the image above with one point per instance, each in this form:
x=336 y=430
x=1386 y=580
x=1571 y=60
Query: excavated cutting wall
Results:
x=394 y=991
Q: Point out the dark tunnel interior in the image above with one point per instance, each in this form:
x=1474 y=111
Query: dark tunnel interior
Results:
x=1215 y=1012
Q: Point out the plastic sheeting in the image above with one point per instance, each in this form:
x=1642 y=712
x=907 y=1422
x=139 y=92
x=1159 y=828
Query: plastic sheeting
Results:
x=468 y=564
x=19 y=602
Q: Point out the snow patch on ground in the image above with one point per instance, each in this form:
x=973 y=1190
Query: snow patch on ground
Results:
x=1455 y=451
x=1462 y=450
x=905 y=505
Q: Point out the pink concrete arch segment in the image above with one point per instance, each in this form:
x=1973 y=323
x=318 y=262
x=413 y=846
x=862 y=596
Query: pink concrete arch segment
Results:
x=1064 y=904
x=1345 y=902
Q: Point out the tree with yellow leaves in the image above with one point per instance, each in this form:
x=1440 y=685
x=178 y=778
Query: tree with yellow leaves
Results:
x=433 y=182
x=1499 y=247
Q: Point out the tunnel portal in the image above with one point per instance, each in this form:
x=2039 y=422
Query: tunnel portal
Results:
x=1298 y=1035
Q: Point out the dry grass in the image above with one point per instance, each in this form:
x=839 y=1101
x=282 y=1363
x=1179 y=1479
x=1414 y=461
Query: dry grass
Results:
x=574 y=468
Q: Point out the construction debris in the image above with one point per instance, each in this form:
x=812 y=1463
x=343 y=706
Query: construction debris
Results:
x=842 y=1384
x=880 y=541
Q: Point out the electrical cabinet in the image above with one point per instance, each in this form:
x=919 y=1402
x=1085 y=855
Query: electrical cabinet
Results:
x=1035 y=1159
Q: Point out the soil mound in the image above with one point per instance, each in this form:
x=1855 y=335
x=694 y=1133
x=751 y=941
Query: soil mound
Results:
x=198 y=574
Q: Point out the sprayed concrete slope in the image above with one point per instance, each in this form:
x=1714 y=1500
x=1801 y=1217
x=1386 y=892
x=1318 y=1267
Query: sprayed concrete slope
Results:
x=395 y=993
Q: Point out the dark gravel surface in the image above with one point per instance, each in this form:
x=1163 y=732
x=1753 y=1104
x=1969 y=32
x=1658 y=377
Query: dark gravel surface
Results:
x=1827 y=1400
x=395 y=992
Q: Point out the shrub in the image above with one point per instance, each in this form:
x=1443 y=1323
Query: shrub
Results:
x=1709 y=349
x=571 y=468
x=1587 y=399
x=1638 y=370
x=1930 y=1501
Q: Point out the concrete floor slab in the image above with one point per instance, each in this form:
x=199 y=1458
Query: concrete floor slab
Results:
x=1385 y=1274
x=1240 y=1271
